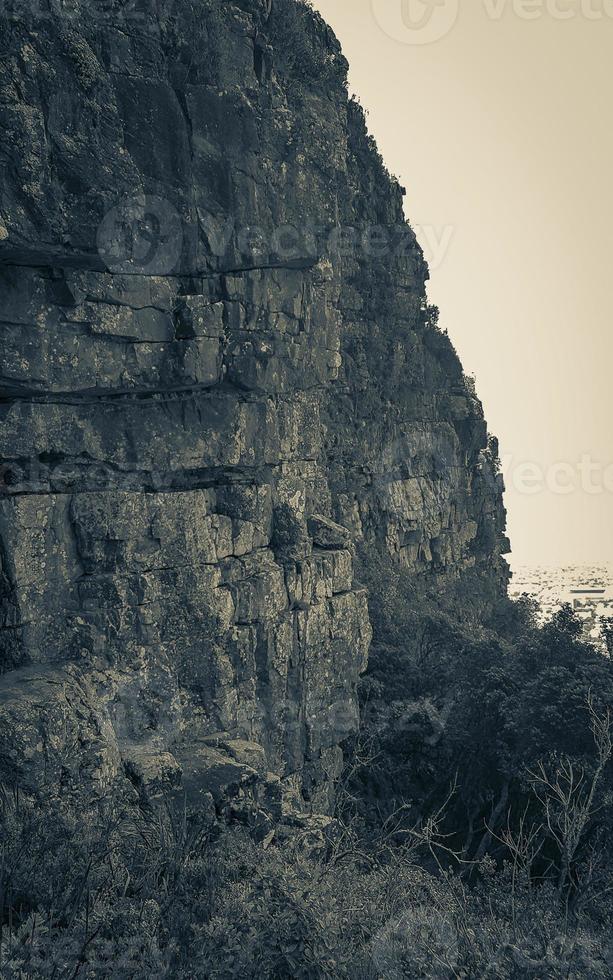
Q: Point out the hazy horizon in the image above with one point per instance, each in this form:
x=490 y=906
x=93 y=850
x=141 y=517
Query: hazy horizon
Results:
x=498 y=131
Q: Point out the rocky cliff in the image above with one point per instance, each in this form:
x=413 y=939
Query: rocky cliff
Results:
x=218 y=376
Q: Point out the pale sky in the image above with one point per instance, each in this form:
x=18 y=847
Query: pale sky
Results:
x=500 y=129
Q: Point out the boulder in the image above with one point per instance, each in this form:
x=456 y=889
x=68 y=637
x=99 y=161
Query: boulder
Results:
x=327 y=534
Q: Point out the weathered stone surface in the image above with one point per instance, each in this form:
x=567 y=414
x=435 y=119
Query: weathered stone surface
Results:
x=153 y=774
x=207 y=771
x=327 y=534
x=211 y=388
x=55 y=732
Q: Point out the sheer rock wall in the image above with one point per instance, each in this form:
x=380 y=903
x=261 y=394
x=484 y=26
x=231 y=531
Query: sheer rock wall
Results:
x=218 y=375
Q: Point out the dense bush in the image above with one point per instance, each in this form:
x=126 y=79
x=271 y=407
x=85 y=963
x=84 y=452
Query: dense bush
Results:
x=150 y=896
x=500 y=728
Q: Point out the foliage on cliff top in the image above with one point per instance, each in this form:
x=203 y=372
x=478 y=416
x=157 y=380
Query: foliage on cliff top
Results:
x=305 y=47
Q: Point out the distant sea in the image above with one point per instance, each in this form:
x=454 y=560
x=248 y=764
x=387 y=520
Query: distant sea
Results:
x=588 y=588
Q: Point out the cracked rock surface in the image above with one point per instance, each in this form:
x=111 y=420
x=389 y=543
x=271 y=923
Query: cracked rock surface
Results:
x=214 y=384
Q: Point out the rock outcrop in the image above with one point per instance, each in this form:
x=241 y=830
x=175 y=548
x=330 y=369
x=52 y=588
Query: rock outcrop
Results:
x=218 y=375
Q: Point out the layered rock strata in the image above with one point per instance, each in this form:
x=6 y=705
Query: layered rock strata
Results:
x=218 y=375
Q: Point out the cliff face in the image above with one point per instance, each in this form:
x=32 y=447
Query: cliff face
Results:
x=218 y=375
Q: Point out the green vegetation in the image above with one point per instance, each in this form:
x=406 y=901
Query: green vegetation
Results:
x=473 y=834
